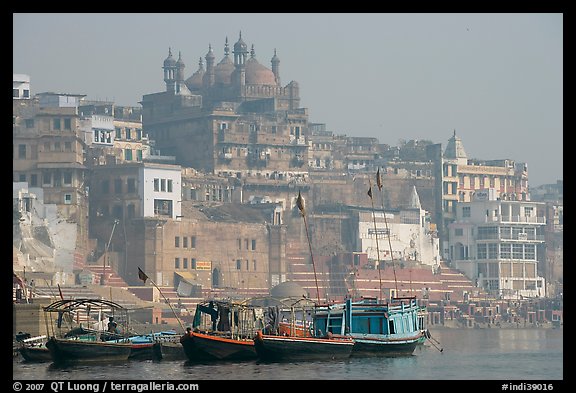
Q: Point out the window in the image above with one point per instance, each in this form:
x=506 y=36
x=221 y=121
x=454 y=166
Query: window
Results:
x=67 y=178
x=156 y=184
x=492 y=250
x=481 y=251
x=29 y=123
x=162 y=184
x=139 y=155
x=131 y=185
x=193 y=263
x=105 y=186
x=458 y=232
x=163 y=207
x=57 y=125
x=517 y=251
x=138 y=133
x=67 y=124
x=15 y=93
x=67 y=199
x=185 y=264
x=253 y=244
x=254 y=264
x=46 y=179
x=118 y=133
x=128 y=133
x=193 y=241
x=128 y=154
x=177 y=263
x=68 y=146
x=169 y=185
x=177 y=241
x=238 y=264
x=528 y=211
x=118 y=186
x=466 y=211
x=185 y=242
x=505 y=251
x=530 y=252
x=33 y=180
x=26 y=93
x=22 y=177
x=22 y=152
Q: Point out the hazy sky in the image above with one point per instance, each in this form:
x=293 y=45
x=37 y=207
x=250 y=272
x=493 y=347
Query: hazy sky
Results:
x=497 y=79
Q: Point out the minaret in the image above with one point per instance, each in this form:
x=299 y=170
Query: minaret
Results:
x=209 y=75
x=276 y=67
x=240 y=52
x=170 y=71
x=179 y=73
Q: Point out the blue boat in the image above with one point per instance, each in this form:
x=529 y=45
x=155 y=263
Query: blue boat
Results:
x=389 y=329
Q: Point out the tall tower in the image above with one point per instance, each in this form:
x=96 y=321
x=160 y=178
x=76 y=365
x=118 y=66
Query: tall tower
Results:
x=179 y=73
x=209 y=75
x=240 y=53
x=276 y=67
x=170 y=71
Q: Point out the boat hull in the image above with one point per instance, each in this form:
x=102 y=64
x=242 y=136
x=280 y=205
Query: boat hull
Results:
x=384 y=346
x=192 y=351
x=168 y=351
x=80 y=351
x=35 y=354
x=270 y=347
x=224 y=348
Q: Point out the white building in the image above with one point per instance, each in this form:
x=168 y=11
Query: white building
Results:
x=407 y=233
x=498 y=243
x=20 y=87
x=160 y=186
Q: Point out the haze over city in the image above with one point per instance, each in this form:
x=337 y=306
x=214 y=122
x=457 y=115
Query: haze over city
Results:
x=497 y=79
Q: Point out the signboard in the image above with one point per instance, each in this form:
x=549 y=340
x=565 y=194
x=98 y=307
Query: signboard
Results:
x=203 y=265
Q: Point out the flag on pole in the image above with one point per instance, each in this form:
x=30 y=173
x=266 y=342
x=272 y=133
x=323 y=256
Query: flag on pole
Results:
x=142 y=276
x=378 y=179
x=300 y=203
x=370 y=191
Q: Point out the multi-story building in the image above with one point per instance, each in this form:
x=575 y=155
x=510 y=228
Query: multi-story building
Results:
x=48 y=153
x=232 y=119
x=500 y=244
x=21 y=87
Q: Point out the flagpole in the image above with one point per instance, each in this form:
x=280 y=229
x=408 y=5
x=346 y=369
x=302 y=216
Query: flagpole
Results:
x=376 y=236
x=144 y=277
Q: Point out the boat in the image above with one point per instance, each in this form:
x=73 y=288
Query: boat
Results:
x=223 y=330
x=168 y=350
x=389 y=329
x=79 y=344
x=143 y=344
x=33 y=349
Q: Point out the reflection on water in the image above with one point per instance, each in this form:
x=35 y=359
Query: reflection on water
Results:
x=485 y=354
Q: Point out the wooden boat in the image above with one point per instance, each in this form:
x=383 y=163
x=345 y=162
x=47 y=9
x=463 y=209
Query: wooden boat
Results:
x=223 y=330
x=389 y=329
x=225 y=348
x=33 y=349
x=272 y=347
x=79 y=344
x=65 y=350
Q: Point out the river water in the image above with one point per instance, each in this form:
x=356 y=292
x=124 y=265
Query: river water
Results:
x=462 y=354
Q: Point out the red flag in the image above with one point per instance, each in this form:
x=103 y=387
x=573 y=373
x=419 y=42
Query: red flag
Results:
x=142 y=276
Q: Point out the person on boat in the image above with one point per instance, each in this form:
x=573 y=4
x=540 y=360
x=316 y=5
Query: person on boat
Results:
x=112 y=325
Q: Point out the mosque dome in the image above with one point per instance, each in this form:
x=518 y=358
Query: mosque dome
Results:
x=257 y=74
x=195 y=81
x=223 y=71
x=169 y=61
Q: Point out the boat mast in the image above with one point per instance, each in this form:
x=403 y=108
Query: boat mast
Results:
x=380 y=186
x=376 y=236
x=300 y=204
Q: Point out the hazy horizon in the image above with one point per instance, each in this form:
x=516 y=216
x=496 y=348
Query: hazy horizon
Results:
x=497 y=79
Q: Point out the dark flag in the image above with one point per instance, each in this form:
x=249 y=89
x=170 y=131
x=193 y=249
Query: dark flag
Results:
x=370 y=191
x=378 y=179
x=142 y=276
x=300 y=203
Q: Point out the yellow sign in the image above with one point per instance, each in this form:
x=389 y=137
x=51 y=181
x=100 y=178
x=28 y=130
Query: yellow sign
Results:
x=203 y=265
